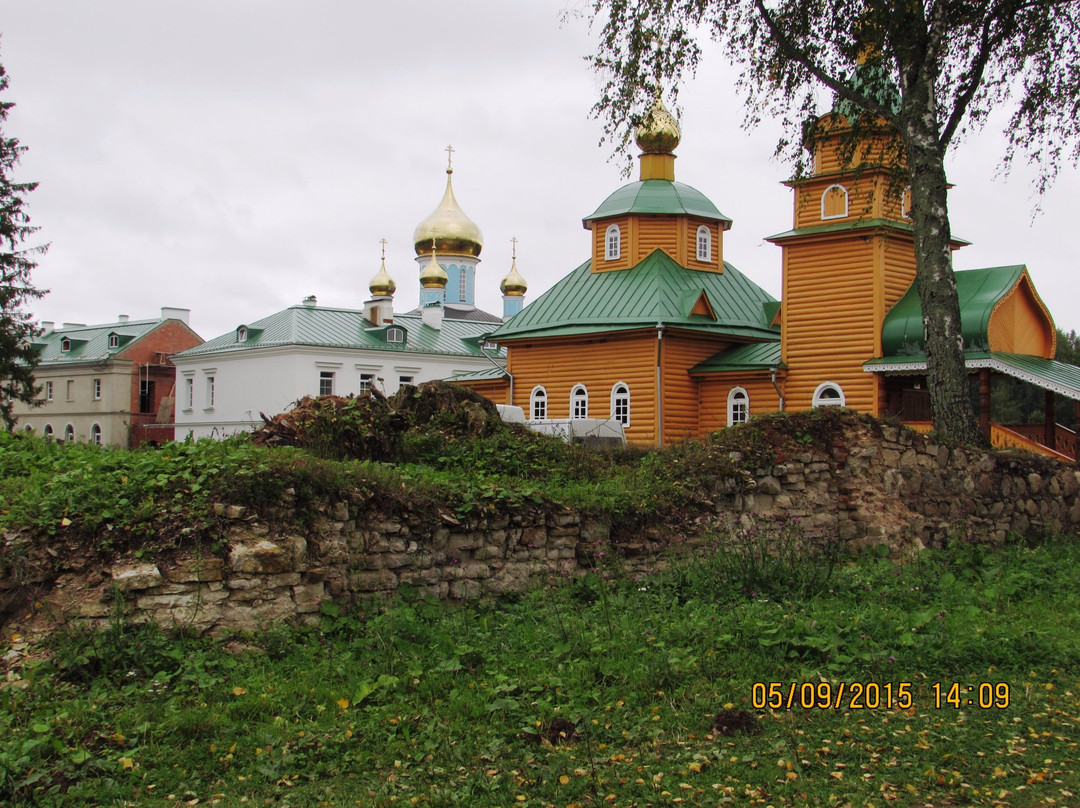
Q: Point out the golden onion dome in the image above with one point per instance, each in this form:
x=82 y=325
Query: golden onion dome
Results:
x=453 y=232
x=433 y=275
x=513 y=283
x=658 y=132
x=382 y=285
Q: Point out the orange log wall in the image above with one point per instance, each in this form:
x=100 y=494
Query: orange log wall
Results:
x=679 y=353
x=559 y=364
x=829 y=321
x=714 y=390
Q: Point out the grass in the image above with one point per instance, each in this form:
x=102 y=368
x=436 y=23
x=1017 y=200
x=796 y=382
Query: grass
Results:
x=597 y=691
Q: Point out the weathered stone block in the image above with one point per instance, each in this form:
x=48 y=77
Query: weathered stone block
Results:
x=307 y=597
x=382 y=580
x=130 y=578
x=465 y=589
x=196 y=569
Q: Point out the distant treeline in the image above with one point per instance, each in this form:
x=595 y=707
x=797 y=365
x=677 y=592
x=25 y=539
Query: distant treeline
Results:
x=1015 y=402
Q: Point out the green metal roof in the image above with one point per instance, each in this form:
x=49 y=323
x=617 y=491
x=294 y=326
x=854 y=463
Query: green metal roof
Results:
x=487 y=374
x=1050 y=374
x=979 y=291
x=320 y=326
x=839 y=227
x=657 y=290
x=90 y=343
x=658 y=196
x=756 y=356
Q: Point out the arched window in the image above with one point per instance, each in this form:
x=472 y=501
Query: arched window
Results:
x=47 y=431
x=579 y=402
x=69 y=433
x=29 y=429
x=538 y=404
x=65 y=345
x=241 y=334
x=395 y=335
x=95 y=434
x=738 y=406
x=463 y=286
x=620 y=404
x=828 y=395
x=704 y=244
x=834 y=202
x=114 y=340
x=612 y=243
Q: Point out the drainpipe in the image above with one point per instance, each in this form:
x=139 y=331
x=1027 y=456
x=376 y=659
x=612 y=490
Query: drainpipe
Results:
x=509 y=375
x=659 y=387
x=776 y=387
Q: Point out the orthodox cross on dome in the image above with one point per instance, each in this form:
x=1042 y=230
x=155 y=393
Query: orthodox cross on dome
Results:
x=383 y=242
x=514 y=241
x=450 y=159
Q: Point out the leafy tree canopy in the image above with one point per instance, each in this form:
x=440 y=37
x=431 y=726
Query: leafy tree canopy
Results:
x=17 y=328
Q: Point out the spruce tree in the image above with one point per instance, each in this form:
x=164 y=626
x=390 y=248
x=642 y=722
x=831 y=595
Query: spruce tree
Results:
x=18 y=357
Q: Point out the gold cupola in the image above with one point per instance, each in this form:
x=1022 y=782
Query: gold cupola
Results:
x=433 y=275
x=382 y=285
x=448 y=228
x=513 y=284
x=658 y=136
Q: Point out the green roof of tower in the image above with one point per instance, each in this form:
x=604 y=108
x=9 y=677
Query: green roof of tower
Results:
x=658 y=197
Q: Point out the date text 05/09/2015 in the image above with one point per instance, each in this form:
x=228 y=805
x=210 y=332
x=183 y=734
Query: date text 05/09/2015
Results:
x=876 y=695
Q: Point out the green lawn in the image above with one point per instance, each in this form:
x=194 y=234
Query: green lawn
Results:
x=600 y=691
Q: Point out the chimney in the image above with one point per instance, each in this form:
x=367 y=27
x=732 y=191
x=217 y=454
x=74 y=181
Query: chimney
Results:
x=433 y=314
x=310 y=301
x=169 y=313
x=47 y=326
x=122 y=318
x=74 y=325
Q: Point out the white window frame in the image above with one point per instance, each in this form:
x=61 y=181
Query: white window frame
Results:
x=69 y=433
x=463 y=285
x=189 y=392
x=612 y=243
x=65 y=345
x=241 y=334
x=825 y=195
x=738 y=406
x=395 y=334
x=366 y=383
x=538 y=404
x=48 y=391
x=95 y=434
x=820 y=398
x=579 y=402
x=47 y=431
x=114 y=340
x=704 y=244
x=326 y=376
x=211 y=391
x=95 y=389
x=620 y=395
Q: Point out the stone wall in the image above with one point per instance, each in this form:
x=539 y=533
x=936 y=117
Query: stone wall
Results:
x=875 y=484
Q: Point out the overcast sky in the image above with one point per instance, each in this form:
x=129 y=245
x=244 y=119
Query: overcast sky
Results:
x=235 y=156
